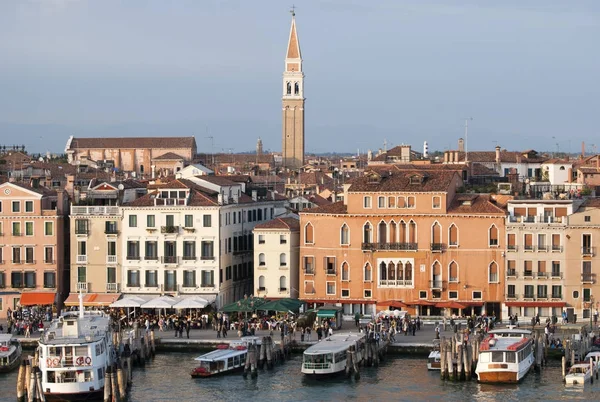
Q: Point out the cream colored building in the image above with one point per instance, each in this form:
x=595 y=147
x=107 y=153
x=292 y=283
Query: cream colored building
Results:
x=276 y=258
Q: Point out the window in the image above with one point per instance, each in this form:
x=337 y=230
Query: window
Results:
x=380 y=202
x=346 y=293
x=133 y=221
x=16 y=206
x=367 y=233
x=556 y=242
x=401 y=202
x=189 y=279
x=16 y=255
x=542 y=291
x=452 y=294
x=282 y=260
x=81 y=274
x=493 y=236
x=151 y=278
x=511 y=291
x=28 y=206
x=453 y=272
x=110 y=227
x=49 y=255
x=411 y=202
x=556 y=269
x=234 y=218
x=28 y=228
x=207 y=279
x=422 y=294
x=528 y=242
x=367 y=201
x=345 y=271
x=49 y=279
x=189 y=250
x=587 y=218
x=477 y=295
x=207 y=249
x=344 y=235
x=437 y=202
x=189 y=221
x=206 y=221
x=541 y=242
x=575 y=294
x=329 y=265
x=493 y=273
x=368 y=293
x=30 y=279
x=282 y=284
x=133 y=250
x=111 y=275
x=587 y=294
x=556 y=291
x=16 y=229
x=330 y=286
x=261 y=283
x=309 y=265
x=528 y=292
x=309 y=234
x=29 y=255
x=133 y=278
x=170 y=220
x=391 y=202
x=511 y=242
x=49 y=228
x=453 y=235
x=367 y=273
x=282 y=239
x=16 y=279
x=261 y=239
x=261 y=260
x=150 y=221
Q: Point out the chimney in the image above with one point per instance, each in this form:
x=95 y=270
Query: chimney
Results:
x=446 y=157
x=153 y=167
x=461 y=145
x=254 y=195
x=498 y=154
x=456 y=159
x=220 y=199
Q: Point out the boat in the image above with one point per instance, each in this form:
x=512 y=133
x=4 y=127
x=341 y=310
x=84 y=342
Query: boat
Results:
x=579 y=374
x=505 y=356
x=595 y=357
x=433 y=360
x=227 y=358
x=10 y=353
x=75 y=351
x=329 y=356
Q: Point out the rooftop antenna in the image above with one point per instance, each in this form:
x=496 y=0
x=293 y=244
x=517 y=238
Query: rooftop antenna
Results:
x=293 y=10
x=467 y=138
x=212 y=148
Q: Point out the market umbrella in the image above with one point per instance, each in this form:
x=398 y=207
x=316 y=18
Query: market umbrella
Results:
x=393 y=303
x=286 y=304
x=127 y=302
x=161 y=302
x=191 y=302
x=246 y=305
x=451 y=304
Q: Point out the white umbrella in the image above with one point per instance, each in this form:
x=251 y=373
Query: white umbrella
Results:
x=160 y=302
x=191 y=302
x=130 y=301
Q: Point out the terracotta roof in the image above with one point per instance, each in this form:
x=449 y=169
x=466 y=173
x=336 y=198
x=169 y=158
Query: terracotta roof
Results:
x=39 y=189
x=293 y=49
x=592 y=203
x=224 y=159
x=317 y=199
x=400 y=167
x=219 y=180
x=240 y=178
x=169 y=156
x=588 y=169
x=292 y=224
x=479 y=204
x=335 y=208
x=477 y=169
x=420 y=181
x=15 y=158
x=133 y=142
x=505 y=156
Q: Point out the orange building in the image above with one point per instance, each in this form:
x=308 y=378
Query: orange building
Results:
x=405 y=238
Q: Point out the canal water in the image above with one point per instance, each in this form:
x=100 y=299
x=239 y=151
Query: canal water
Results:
x=166 y=378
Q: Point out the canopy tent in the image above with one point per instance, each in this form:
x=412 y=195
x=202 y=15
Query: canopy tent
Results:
x=326 y=313
x=451 y=305
x=161 y=302
x=285 y=305
x=392 y=303
x=191 y=302
x=92 y=299
x=246 y=305
x=129 y=301
x=37 y=298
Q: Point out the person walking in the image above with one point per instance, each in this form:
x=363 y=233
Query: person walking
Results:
x=356 y=319
x=188 y=326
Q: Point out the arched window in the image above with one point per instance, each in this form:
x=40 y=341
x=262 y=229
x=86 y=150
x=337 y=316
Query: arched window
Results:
x=436 y=237
x=367 y=233
x=408 y=274
x=382 y=271
x=345 y=271
x=436 y=275
x=282 y=283
x=142 y=169
x=296 y=89
x=391 y=271
x=261 y=260
x=453 y=235
x=367 y=273
x=309 y=234
x=453 y=272
x=261 y=282
x=282 y=260
x=288 y=88
x=493 y=236
x=403 y=235
x=344 y=235
x=412 y=232
x=493 y=272
x=562 y=168
x=393 y=232
x=382 y=233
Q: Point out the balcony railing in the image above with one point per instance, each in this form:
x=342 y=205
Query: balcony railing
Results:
x=94 y=210
x=133 y=257
x=82 y=230
x=528 y=296
x=542 y=275
x=557 y=248
x=437 y=247
x=151 y=257
x=535 y=219
x=82 y=287
x=390 y=246
x=282 y=290
x=81 y=259
x=112 y=287
x=330 y=271
x=512 y=247
x=169 y=259
x=436 y=284
x=111 y=231
x=111 y=259
x=542 y=248
x=207 y=257
x=557 y=296
x=395 y=282
x=528 y=274
x=169 y=229
x=511 y=273
x=557 y=275
x=511 y=296
x=588 y=251
x=189 y=258
x=309 y=271
x=529 y=247
x=588 y=278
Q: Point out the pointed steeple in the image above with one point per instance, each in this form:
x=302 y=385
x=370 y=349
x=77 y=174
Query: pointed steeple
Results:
x=293 y=49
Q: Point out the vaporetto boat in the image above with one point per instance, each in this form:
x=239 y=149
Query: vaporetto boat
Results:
x=505 y=356
x=329 y=355
x=75 y=351
x=10 y=353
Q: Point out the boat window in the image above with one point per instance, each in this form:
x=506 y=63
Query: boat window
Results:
x=100 y=374
x=81 y=350
x=52 y=351
x=236 y=360
x=98 y=350
x=511 y=357
x=230 y=362
x=51 y=376
x=243 y=358
x=497 y=357
x=484 y=357
x=340 y=356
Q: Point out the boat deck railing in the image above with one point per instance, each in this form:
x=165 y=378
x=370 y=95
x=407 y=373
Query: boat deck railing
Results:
x=317 y=366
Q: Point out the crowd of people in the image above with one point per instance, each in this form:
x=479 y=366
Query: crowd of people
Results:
x=26 y=321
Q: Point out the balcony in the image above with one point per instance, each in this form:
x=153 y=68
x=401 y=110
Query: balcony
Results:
x=395 y=283
x=82 y=287
x=556 y=296
x=557 y=248
x=390 y=246
x=437 y=247
x=111 y=231
x=189 y=258
x=46 y=261
x=542 y=296
x=542 y=248
x=82 y=230
x=556 y=275
x=207 y=257
x=528 y=274
x=330 y=271
x=528 y=296
x=111 y=259
x=151 y=258
x=529 y=247
x=542 y=275
x=81 y=259
x=112 y=288
x=94 y=210
x=512 y=247
x=436 y=284
x=588 y=278
x=133 y=257
x=511 y=296
x=309 y=271
x=169 y=229
x=588 y=251
x=169 y=259
x=189 y=229
x=511 y=273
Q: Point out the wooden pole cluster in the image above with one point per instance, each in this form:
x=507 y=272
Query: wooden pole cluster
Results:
x=352 y=363
x=251 y=360
x=32 y=382
x=152 y=343
x=21 y=379
x=458 y=356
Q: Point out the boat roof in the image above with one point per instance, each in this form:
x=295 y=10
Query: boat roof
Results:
x=334 y=343
x=595 y=354
x=509 y=332
x=500 y=344
x=220 y=354
x=5 y=337
x=92 y=327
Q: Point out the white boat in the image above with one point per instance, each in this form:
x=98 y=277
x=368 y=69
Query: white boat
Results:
x=595 y=357
x=579 y=374
x=10 y=353
x=433 y=360
x=329 y=355
x=505 y=356
x=75 y=351
x=225 y=359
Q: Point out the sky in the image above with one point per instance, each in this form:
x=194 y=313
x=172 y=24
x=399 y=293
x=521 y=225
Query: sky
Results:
x=405 y=71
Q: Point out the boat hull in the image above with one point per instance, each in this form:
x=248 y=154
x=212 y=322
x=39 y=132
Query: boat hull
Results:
x=10 y=367
x=76 y=396
x=499 y=377
x=195 y=374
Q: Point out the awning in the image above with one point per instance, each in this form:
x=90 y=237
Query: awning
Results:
x=420 y=303
x=326 y=313
x=37 y=298
x=342 y=301
x=535 y=304
x=472 y=303
x=451 y=305
x=393 y=303
x=92 y=299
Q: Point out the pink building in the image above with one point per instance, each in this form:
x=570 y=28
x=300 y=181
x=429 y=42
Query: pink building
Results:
x=31 y=246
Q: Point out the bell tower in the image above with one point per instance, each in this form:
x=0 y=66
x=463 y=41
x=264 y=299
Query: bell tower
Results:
x=292 y=148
